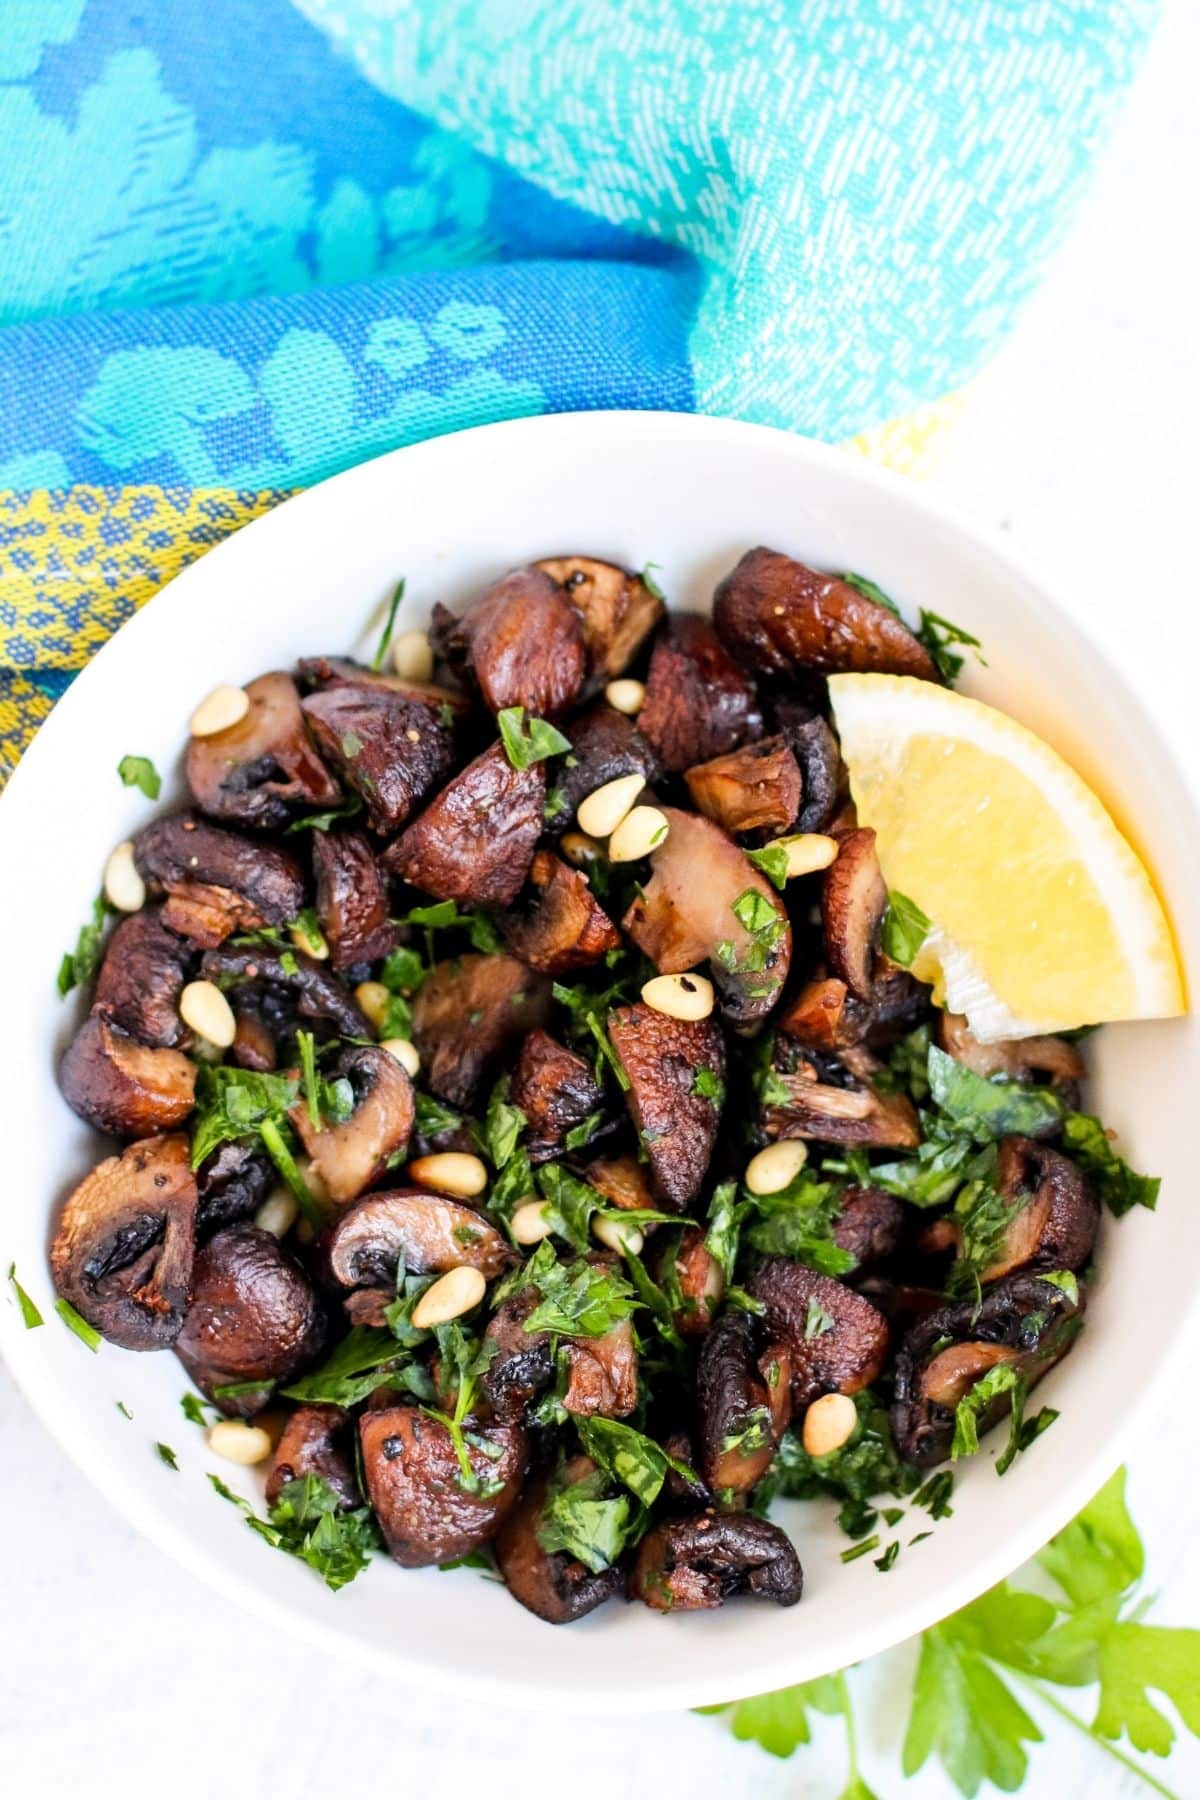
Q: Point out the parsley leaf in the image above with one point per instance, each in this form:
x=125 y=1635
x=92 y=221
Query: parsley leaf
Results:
x=578 y=1299
x=140 y=772
x=650 y=584
x=502 y=1126
x=79 y=966
x=233 y=1103
x=192 y=1408
x=167 y=1455
x=322 y=821
x=989 y=1109
x=772 y=861
x=586 y=1522
x=937 y=634
x=1002 y=1378
x=87 y=1334
x=798 y=1222
x=1119 y=1186
x=905 y=928
x=528 y=740
x=630 y=1457
x=31 y=1318
x=377 y=661
x=351 y=1370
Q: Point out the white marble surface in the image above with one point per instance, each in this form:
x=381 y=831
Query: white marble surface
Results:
x=121 y=1676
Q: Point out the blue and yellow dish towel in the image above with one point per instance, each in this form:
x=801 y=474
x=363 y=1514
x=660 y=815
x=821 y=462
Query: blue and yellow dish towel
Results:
x=245 y=243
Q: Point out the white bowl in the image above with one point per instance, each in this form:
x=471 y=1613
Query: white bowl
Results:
x=689 y=494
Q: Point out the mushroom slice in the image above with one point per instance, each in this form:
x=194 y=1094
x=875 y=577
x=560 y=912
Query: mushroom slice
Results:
x=122 y=1252
x=841 y=1357
x=303 y=983
x=567 y=929
x=1056 y=1214
x=141 y=979
x=779 y=617
x=475 y=842
x=522 y=642
x=741 y=1418
x=841 y=1114
x=699 y=704
x=555 y=1089
x=755 y=788
x=550 y=1583
x=260 y=770
x=352 y=900
x=391 y=748
x=617 y=609
x=604 y=745
x=825 y=1016
x=685 y=915
x=426 y=1233
x=1022 y=1320
x=233 y=1183
x=466 y=1014
x=349 y=1156
x=853 y=902
x=121 y=1086
x=216 y=881
x=316 y=1440
x=603 y=1376
x=522 y=1362
x=869 y=1226
x=822 y=776
x=1017 y=1059
x=343 y=671
x=425 y=1509
x=623 y=1182
x=699 y=1279
x=700 y=1560
x=253 y=1318
x=663 y=1059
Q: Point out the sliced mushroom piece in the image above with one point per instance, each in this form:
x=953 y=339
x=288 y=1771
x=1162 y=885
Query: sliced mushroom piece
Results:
x=869 y=1227
x=254 y=1045
x=305 y=985
x=1017 y=1059
x=121 y=1086
x=622 y=1180
x=755 y=788
x=259 y=771
x=825 y=1016
x=853 y=901
x=663 y=1059
x=617 y=609
x=822 y=776
x=216 y=881
x=698 y=1278
x=566 y=929
x=233 y=1183
x=550 y=1583
x=700 y=1560
x=1056 y=1213
x=352 y=899
x=1022 y=1320
x=522 y=643
x=392 y=749
x=254 y=1317
x=555 y=1089
x=416 y=1487
x=122 y=1252
x=466 y=1014
x=779 y=617
x=685 y=916
x=410 y=1227
x=522 y=1362
x=603 y=1378
x=839 y=1358
x=316 y=1440
x=604 y=745
x=141 y=979
x=741 y=1417
x=699 y=704
x=475 y=842
x=847 y=1112
x=343 y=671
x=350 y=1156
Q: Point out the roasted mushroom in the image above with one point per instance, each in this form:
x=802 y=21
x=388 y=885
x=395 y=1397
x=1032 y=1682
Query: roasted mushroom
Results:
x=700 y=1560
x=742 y=1413
x=549 y=1582
x=424 y=1233
x=663 y=1059
x=352 y=900
x=825 y=1016
x=868 y=1227
x=699 y=704
x=259 y=771
x=475 y=842
x=699 y=1280
x=215 y=880
x=822 y=777
x=122 y=1253
x=316 y=1440
x=829 y=1104
x=756 y=788
x=342 y=671
x=555 y=1089
x=119 y=1085
x=779 y=617
x=233 y=1183
x=566 y=929
x=1017 y=1059
x=602 y=1372
x=604 y=745
x=301 y=984
x=391 y=748
x=141 y=979
x=253 y=1320
x=427 y=1510
x=853 y=902
x=835 y=1340
x=466 y=1014
x=617 y=608
x=603 y=1376
x=622 y=1180
x=1056 y=1214
x=350 y=1155
x=522 y=643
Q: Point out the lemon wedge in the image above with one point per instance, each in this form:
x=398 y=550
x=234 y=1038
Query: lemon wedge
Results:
x=1044 y=918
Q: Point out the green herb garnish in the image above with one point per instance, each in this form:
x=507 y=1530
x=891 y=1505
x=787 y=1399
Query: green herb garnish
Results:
x=31 y=1318
x=140 y=772
x=389 y=624
x=528 y=740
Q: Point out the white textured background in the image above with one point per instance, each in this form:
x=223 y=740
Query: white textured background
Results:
x=121 y=1676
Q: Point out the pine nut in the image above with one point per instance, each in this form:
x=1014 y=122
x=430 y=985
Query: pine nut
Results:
x=405 y=1053
x=277 y=1214
x=123 y=886
x=618 y=1234
x=639 y=832
x=626 y=696
x=807 y=852
x=412 y=656
x=680 y=996
x=582 y=850
x=529 y=1223
x=449 y=1297
x=238 y=1442
x=374 y=999
x=225 y=706
x=310 y=940
x=205 y=1009
x=828 y=1424
x=454 y=1172
x=776 y=1167
x=603 y=809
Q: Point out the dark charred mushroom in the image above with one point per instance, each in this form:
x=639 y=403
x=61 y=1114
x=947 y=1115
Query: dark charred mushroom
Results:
x=476 y=840
x=555 y=1089
x=685 y=915
x=391 y=748
x=316 y=1441
x=755 y=788
x=832 y=1104
x=566 y=929
x=253 y=1318
x=121 y=1086
x=254 y=1045
x=427 y=1233
x=663 y=1059
x=815 y=749
x=1056 y=1214
x=603 y=1377
x=604 y=745
x=700 y=1560
x=700 y=1281
x=259 y=771
x=699 y=704
x=617 y=609
x=549 y=1582
x=233 y=1182
x=1017 y=1059
x=342 y=671
x=349 y=1156
x=523 y=643
x=869 y=1226
x=779 y=617
x=1023 y=1321
x=742 y=1417
x=352 y=900
x=825 y=1016
x=216 y=881
x=466 y=1014
x=297 y=983
x=853 y=902
x=841 y=1358
x=122 y=1253
x=418 y=1491
x=141 y=979
x=522 y=1362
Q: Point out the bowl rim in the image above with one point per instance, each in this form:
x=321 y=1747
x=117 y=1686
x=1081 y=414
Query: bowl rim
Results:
x=862 y=1638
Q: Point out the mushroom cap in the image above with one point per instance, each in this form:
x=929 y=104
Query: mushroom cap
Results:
x=259 y=771
x=475 y=840
x=253 y=1317
x=217 y=881
x=522 y=642
x=350 y=1156
x=616 y=608
x=351 y=899
x=699 y=1560
x=698 y=704
x=141 y=978
x=121 y=1086
x=415 y=1483
x=734 y=1402
x=426 y=1232
x=316 y=1440
x=662 y=1058
x=844 y=1358
x=550 y=1583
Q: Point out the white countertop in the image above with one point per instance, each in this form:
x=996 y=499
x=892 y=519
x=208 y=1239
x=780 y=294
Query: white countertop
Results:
x=121 y=1677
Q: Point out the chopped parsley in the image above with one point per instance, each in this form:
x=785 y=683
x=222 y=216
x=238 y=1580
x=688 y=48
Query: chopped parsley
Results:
x=78 y=967
x=140 y=772
x=87 y=1334
x=1119 y=1186
x=389 y=625
x=167 y=1455
x=905 y=928
x=31 y=1318
x=528 y=740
